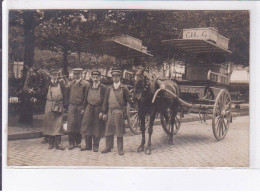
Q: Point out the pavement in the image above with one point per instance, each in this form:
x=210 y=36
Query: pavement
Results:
x=194 y=146
x=17 y=131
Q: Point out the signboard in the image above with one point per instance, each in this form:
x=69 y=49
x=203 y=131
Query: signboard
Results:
x=201 y=33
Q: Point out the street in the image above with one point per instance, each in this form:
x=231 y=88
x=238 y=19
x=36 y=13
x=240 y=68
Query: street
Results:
x=194 y=146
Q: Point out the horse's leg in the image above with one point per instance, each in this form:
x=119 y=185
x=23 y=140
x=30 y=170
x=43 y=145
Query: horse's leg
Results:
x=150 y=131
x=174 y=113
x=142 y=118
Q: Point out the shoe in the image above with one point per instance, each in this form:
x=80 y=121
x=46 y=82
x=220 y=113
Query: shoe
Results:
x=44 y=140
x=95 y=149
x=121 y=152
x=51 y=147
x=106 y=151
x=59 y=147
x=51 y=142
x=83 y=148
x=70 y=147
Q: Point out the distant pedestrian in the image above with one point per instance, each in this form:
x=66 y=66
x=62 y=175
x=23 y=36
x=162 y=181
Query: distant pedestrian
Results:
x=77 y=91
x=114 y=106
x=92 y=128
x=53 y=118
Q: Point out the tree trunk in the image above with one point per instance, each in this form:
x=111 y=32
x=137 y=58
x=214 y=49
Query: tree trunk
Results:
x=65 y=62
x=26 y=111
x=28 y=41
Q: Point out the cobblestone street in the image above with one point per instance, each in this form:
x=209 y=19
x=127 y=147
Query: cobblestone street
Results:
x=194 y=146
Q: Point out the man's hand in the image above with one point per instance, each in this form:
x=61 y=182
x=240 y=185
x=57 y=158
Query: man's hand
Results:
x=100 y=116
x=105 y=117
x=82 y=111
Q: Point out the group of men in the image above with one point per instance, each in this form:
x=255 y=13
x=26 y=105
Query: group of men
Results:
x=94 y=111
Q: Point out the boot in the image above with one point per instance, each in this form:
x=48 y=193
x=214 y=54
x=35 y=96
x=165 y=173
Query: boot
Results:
x=109 y=144
x=71 y=145
x=58 y=145
x=51 y=142
x=95 y=143
x=44 y=140
x=120 y=143
x=78 y=138
x=88 y=143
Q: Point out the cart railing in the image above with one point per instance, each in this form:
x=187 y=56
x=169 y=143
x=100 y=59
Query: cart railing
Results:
x=219 y=78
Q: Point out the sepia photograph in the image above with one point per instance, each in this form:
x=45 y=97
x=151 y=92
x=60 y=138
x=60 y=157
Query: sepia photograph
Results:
x=128 y=88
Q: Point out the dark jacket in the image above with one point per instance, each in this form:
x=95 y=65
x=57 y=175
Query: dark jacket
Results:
x=103 y=90
x=126 y=97
x=77 y=92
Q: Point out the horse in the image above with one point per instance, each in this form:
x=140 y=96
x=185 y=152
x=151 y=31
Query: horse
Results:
x=144 y=90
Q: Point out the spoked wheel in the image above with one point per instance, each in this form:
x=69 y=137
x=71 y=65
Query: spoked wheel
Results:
x=168 y=123
x=133 y=120
x=221 y=117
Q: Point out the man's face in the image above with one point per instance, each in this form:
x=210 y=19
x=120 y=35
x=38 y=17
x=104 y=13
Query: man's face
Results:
x=96 y=78
x=54 y=76
x=116 y=78
x=77 y=75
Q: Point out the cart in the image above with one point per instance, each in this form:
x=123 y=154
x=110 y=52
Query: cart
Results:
x=124 y=47
x=204 y=86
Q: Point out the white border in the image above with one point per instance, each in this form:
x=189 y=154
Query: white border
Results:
x=132 y=178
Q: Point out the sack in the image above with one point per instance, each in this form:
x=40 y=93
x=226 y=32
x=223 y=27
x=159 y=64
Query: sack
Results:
x=56 y=107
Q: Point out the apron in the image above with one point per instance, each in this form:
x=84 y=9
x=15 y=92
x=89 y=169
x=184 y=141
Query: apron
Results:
x=116 y=122
x=53 y=121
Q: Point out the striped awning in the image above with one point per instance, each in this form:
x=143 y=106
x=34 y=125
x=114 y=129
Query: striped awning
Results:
x=195 y=46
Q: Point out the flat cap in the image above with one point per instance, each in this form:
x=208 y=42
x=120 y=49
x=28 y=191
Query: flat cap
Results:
x=116 y=71
x=54 y=71
x=96 y=73
x=77 y=70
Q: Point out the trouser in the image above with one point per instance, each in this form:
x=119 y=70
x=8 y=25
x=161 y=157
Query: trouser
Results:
x=110 y=142
x=74 y=138
x=90 y=139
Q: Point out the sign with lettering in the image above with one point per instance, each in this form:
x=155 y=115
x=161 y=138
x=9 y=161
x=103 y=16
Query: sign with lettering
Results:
x=200 y=33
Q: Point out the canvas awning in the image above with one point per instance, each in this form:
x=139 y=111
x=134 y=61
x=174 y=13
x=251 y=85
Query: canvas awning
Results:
x=195 y=46
x=118 y=49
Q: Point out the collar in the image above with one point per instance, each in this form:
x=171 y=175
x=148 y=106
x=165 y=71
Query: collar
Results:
x=96 y=85
x=78 y=81
x=54 y=82
x=116 y=85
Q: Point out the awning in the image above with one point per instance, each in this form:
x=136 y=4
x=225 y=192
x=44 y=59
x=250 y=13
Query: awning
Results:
x=195 y=46
x=118 y=49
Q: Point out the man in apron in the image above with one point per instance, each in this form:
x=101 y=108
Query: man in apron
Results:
x=92 y=128
x=77 y=91
x=114 y=107
x=53 y=116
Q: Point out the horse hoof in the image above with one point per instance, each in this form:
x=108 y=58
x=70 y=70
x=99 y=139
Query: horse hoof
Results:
x=170 y=142
x=148 y=151
x=140 y=149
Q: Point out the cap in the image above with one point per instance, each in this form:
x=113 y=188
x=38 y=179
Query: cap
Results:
x=77 y=70
x=54 y=71
x=96 y=73
x=116 y=71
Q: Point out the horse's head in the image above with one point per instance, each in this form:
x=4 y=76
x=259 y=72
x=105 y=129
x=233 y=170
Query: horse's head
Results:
x=141 y=85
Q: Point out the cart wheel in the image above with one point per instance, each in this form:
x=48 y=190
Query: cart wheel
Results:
x=167 y=122
x=221 y=117
x=133 y=120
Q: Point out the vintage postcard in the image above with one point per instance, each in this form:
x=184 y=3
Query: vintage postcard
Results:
x=127 y=86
